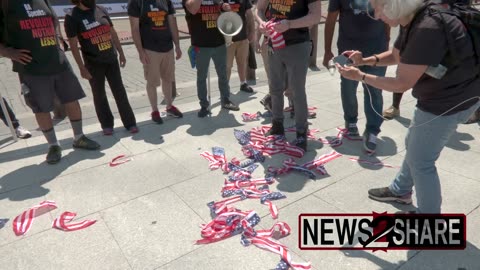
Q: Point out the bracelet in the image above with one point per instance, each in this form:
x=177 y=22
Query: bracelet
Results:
x=363 y=77
x=376 y=60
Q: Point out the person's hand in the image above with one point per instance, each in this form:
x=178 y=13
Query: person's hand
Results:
x=355 y=56
x=326 y=58
x=178 y=53
x=122 y=59
x=19 y=55
x=143 y=57
x=350 y=72
x=281 y=26
x=258 y=47
x=263 y=28
x=226 y=7
x=85 y=73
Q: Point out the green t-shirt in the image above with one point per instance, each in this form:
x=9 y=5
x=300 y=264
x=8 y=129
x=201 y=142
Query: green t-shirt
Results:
x=29 y=25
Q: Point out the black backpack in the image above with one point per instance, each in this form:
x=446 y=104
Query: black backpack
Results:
x=468 y=15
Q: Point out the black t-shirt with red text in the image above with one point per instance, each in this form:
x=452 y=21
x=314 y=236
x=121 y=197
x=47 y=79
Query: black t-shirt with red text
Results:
x=92 y=28
x=290 y=10
x=203 y=25
x=30 y=26
x=240 y=7
x=154 y=28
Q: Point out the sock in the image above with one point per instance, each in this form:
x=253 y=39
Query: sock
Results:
x=77 y=128
x=50 y=136
x=244 y=82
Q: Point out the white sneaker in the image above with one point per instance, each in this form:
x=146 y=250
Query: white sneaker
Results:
x=22 y=133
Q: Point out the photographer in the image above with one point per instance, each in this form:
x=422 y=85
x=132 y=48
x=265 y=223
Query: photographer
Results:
x=447 y=94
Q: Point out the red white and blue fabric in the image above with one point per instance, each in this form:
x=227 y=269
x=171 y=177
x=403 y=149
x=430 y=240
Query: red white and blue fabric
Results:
x=338 y=141
x=249 y=117
x=64 y=222
x=278 y=42
x=307 y=168
x=23 y=222
x=216 y=159
x=310 y=132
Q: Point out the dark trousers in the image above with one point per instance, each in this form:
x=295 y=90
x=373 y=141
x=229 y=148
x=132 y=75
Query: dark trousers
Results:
x=10 y=113
x=111 y=71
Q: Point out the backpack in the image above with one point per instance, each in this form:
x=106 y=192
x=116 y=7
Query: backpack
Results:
x=469 y=16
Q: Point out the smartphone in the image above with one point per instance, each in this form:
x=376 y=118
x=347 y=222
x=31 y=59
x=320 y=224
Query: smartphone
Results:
x=342 y=60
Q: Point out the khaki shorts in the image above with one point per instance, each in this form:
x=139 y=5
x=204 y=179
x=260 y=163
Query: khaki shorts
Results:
x=160 y=67
x=239 y=51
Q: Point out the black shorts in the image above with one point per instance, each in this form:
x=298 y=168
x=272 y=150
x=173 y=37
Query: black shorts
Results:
x=43 y=89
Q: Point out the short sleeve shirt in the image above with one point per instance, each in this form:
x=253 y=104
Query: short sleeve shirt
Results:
x=93 y=29
x=357 y=28
x=290 y=10
x=155 y=30
x=30 y=25
x=460 y=82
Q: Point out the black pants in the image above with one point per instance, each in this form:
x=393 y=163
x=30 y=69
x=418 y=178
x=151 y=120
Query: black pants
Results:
x=111 y=71
x=11 y=114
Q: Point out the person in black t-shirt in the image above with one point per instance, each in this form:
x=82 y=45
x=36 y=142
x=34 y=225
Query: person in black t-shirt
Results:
x=30 y=36
x=239 y=49
x=154 y=32
x=208 y=42
x=447 y=93
x=289 y=55
x=90 y=25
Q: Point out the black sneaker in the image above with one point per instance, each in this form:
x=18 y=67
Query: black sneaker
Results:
x=267 y=102
x=203 y=112
x=173 y=111
x=86 y=143
x=352 y=129
x=228 y=105
x=369 y=142
x=54 y=154
x=246 y=88
x=301 y=141
x=277 y=129
x=385 y=195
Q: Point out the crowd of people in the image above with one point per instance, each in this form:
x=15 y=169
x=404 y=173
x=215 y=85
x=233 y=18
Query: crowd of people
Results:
x=279 y=31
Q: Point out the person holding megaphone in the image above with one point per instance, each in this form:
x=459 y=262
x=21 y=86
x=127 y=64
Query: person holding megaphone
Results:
x=208 y=43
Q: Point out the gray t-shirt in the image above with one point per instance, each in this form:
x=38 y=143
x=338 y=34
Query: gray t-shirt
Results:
x=358 y=30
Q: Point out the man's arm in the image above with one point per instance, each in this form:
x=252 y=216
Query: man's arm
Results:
x=172 y=22
x=313 y=17
x=250 y=25
x=193 y=6
x=261 y=9
x=328 y=35
x=73 y=41
x=118 y=46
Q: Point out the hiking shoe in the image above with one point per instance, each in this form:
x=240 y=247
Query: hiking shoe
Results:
x=228 y=105
x=369 y=142
x=473 y=119
x=156 y=117
x=352 y=129
x=107 y=131
x=203 y=112
x=267 y=102
x=86 y=143
x=391 y=112
x=301 y=141
x=173 y=111
x=246 y=88
x=384 y=194
x=22 y=133
x=133 y=129
x=277 y=129
x=54 y=154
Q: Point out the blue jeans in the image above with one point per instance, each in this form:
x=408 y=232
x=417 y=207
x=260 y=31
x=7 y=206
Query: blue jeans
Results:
x=219 y=57
x=350 y=104
x=424 y=142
